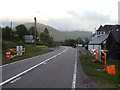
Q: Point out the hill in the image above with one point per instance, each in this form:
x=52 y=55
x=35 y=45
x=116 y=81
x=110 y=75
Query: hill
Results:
x=76 y=34
x=57 y=35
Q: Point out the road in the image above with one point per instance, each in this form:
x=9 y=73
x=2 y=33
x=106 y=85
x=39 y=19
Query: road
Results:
x=60 y=68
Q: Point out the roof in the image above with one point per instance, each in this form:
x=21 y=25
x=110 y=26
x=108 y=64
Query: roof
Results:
x=108 y=28
x=98 y=40
x=116 y=35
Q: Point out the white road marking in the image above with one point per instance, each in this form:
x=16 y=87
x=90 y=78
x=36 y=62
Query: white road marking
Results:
x=44 y=63
x=18 y=75
x=15 y=80
x=75 y=74
x=18 y=61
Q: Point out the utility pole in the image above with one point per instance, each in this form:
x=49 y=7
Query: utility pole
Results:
x=11 y=31
x=35 y=33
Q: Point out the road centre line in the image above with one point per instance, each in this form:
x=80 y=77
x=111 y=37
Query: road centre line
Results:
x=75 y=74
x=24 y=72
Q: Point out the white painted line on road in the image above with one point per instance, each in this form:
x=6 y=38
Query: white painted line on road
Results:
x=75 y=74
x=18 y=61
x=15 y=80
x=18 y=75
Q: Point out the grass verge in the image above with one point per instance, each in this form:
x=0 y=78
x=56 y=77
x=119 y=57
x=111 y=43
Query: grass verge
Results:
x=105 y=80
x=30 y=52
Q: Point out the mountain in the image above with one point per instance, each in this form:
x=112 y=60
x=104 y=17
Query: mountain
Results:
x=57 y=35
x=81 y=34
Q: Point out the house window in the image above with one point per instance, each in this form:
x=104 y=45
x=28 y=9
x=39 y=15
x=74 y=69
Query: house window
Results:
x=104 y=33
x=98 y=33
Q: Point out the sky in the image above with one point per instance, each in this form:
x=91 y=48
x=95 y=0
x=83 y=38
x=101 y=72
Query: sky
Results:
x=64 y=15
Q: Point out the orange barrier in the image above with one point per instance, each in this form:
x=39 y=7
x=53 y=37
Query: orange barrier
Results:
x=104 y=62
x=96 y=56
x=13 y=50
x=8 y=57
x=111 y=70
x=23 y=50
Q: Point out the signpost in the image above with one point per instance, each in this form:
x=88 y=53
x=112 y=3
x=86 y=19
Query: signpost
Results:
x=29 y=39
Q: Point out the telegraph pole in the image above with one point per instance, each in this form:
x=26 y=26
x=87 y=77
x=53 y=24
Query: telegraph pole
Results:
x=35 y=33
x=11 y=31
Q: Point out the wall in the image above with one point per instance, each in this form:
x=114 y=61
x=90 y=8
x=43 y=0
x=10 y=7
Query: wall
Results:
x=90 y=47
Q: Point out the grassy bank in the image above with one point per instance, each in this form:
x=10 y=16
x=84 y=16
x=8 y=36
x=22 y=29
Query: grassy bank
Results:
x=105 y=80
x=30 y=52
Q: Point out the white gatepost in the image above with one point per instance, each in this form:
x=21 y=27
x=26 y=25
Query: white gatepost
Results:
x=19 y=50
x=99 y=53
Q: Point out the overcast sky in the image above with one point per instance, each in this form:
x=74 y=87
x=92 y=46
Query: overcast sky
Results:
x=64 y=15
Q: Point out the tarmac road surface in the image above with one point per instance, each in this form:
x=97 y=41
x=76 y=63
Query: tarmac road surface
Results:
x=60 y=68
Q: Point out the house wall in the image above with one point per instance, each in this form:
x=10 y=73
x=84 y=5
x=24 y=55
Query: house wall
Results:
x=90 y=47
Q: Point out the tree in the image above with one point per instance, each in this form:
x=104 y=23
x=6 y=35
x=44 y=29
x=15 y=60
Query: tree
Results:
x=86 y=40
x=69 y=42
x=21 y=30
x=46 y=38
x=7 y=33
x=32 y=31
x=46 y=31
x=79 y=41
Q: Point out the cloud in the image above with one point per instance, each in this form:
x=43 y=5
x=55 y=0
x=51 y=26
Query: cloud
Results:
x=73 y=13
x=90 y=15
x=15 y=22
x=38 y=11
x=73 y=20
x=88 y=20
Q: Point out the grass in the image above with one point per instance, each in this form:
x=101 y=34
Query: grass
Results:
x=30 y=52
x=42 y=46
x=105 y=80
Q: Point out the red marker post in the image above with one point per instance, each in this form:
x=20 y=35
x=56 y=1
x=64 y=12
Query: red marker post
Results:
x=8 y=55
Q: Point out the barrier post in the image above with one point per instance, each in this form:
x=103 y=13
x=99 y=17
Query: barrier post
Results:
x=8 y=55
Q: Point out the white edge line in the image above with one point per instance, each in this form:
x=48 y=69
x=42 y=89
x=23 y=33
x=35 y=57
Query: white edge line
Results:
x=75 y=74
x=21 y=60
x=8 y=80
x=15 y=80
x=18 y=61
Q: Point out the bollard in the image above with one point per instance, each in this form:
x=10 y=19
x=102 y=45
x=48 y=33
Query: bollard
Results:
x=8 y=55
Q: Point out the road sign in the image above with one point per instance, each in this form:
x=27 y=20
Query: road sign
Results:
x=29 y=39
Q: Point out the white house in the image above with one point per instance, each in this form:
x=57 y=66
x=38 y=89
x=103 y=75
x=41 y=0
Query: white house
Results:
x=97 y=42
x=99 y=38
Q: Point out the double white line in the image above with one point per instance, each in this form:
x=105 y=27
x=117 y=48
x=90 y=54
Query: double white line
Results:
x=24 y=72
